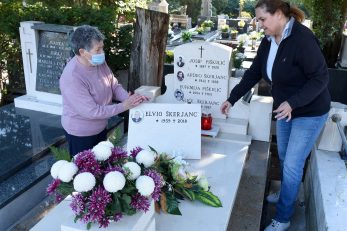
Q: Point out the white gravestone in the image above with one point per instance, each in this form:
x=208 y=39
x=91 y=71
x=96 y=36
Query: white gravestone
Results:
x=170 y=128
x=61 y=218
x=45 y=52
x=330 y=139
x=221 y=22
x=201 y=75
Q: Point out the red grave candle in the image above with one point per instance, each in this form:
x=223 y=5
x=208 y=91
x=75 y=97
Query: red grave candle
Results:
x=206 y=121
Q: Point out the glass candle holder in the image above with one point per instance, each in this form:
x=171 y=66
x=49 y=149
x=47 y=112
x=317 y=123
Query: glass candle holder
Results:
x=206 y=121
x=254 y=41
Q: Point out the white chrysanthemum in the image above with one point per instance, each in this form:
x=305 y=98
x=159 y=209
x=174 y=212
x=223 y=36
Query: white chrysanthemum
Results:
x=203 y=183
x=145 y=185
x=145 y=157
x=107 y=143
x=114 y=181
x=102 y=152
x=56 y=167
x=67 y=171
x=84 y=182
x=134 y=170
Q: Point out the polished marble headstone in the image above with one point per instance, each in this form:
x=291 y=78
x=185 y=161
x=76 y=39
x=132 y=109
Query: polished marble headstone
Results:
x=53 y=54
x=45 y=52
x=167 y=128
x=201 y=76
x=24 y=134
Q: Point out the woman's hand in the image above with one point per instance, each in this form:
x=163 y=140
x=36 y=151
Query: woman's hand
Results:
x=225 y=108
x=283 y=111
x=134 y=100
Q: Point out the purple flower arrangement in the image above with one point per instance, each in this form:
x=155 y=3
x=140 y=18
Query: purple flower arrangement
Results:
x=107 y=183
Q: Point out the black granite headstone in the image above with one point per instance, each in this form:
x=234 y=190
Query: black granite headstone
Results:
x=53 y=54
x=25 y=159
x=338 y=85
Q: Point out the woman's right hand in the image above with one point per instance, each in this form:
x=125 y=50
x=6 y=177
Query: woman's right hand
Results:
x=225 y=107
x=134 y=100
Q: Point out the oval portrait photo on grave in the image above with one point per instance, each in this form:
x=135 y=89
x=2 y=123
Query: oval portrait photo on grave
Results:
x=180 y=75
x=179 y=95
x=137 y=116
x=180 y=62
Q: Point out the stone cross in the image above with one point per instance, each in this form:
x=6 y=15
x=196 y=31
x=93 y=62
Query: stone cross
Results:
x=30 y=54
x=201 y=49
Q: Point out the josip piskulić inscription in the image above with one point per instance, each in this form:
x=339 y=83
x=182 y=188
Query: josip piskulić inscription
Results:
x=201 y=75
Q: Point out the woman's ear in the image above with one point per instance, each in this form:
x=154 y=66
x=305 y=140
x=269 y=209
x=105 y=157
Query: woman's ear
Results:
x=82 y=52
x=279 y=14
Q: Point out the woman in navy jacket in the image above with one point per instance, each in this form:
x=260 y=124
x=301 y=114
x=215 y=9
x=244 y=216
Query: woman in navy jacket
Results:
x=290 y=60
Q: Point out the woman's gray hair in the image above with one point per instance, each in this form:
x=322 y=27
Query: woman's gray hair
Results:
x=83 y=38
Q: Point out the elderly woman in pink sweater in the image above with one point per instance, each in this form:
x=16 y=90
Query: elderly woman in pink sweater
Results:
x=88 y=88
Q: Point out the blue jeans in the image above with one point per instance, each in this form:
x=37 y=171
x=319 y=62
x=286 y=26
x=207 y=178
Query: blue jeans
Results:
x=295 y=140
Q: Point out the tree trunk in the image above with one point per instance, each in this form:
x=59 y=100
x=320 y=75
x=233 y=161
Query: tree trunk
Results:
x=148 y=48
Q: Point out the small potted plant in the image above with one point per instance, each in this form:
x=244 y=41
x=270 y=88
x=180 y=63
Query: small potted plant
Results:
x=186 y=36
x=200 y=30
x=233 y=34
x=169 y=56
x=243 y=40
x=207 y=24
x=237 y=59
x=254 y=36
x=225 y=30
x=241 y=23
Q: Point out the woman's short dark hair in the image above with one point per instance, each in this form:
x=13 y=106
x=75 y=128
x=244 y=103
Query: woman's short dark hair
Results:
x=271 y=6
x=83 y=38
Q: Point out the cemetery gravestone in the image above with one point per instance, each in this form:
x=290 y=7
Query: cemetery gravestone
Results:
x=164 y=127
x=221 y=22
x=343 y=52
x=200 y=77
x=53 y=54
x=45 y=52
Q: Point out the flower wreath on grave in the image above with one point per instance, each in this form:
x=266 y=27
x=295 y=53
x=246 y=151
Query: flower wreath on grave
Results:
x=106 y=182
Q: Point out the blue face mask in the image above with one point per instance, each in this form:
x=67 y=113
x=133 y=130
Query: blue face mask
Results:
x=97 y=59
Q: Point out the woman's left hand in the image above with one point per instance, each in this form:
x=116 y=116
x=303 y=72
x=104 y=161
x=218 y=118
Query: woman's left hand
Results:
x=283 y=111
x=134 y=100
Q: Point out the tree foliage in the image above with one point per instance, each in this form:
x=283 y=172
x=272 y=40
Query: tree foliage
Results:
x=328 y=19
x=193 y=8
x=233 y=7
x=220 y=5
x=103 y=14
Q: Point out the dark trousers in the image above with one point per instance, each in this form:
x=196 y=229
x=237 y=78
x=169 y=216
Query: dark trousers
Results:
x=80 y=143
